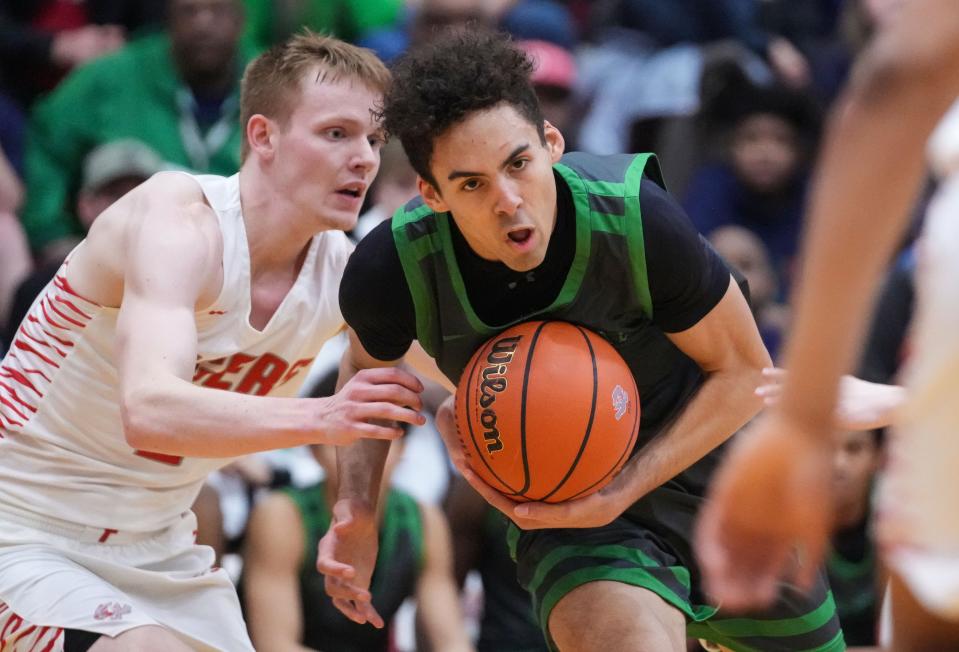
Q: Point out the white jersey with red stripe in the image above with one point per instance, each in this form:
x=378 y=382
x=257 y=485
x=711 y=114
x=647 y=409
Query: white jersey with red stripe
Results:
x=63 y=454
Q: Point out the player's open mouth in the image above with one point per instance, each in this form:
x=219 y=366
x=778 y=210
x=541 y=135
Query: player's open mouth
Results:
x=520 y=236
x=354 y=190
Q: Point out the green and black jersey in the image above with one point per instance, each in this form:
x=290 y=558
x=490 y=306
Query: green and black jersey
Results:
x=852 y=569
x=398 y=566
x=623 y=260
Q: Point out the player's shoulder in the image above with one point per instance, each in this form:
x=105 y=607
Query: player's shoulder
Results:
x=335 y=248
x=175 y=201
x=656 y=203
x=170 y=203
x=376 y=253
x=174 y=188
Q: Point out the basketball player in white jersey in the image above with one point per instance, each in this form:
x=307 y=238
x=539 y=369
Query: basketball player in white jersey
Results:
x=869 y=175
x=111 y=403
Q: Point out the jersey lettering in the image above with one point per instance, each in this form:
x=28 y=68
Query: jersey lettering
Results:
x=248 y=374
x=233 y=366
x=263 y=375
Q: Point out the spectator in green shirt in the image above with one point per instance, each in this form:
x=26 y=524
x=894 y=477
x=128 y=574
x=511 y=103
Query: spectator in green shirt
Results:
x=176 y=92
x=270 y=22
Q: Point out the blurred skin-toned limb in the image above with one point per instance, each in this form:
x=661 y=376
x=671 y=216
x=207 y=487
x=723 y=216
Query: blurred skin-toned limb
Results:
x=867 y=179
x=15 y=260
x=860 y=405
x=437 y=592
x=209 y=521
x=272 y=575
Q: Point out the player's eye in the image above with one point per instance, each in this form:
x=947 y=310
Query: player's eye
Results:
x=336 y=133
x=519 y=163
x=470 y=185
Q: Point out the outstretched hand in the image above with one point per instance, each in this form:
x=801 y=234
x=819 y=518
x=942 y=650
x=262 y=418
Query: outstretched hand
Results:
x=861 y=405
x=346 y=557
x=369 y=405
x=595 y=510
x=768 y=516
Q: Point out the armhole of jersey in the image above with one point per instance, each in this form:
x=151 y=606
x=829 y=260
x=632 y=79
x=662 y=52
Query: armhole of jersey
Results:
x=411 y=253
x=634 y=226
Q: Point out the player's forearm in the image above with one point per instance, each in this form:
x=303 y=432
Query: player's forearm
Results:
x=724 y=404
x=359 y=468
x=867 y=181
x=177 y=418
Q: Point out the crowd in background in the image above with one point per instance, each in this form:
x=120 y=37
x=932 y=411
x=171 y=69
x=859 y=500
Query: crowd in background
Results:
x=98 y=95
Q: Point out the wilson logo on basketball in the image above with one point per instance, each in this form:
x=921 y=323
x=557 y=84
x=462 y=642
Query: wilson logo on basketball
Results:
x=620 y=401
x=494 y=382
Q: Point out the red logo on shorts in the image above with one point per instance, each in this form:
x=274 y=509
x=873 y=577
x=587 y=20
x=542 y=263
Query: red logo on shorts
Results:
x=111 y=611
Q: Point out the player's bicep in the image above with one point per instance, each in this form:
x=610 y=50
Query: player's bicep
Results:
x=356 y=358
x=686 y=277
x=170 y=261
x=726 y=338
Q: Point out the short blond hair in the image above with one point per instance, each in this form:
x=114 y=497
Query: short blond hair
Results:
x=271 y=82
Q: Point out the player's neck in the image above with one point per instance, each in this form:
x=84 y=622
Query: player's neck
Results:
x=277 y=235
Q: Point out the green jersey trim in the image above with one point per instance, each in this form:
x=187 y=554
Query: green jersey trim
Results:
x=634 y=232
x=411 y=253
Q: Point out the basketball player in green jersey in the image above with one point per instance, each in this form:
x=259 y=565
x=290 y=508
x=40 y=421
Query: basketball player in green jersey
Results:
x=509 y=229
x=286 y=606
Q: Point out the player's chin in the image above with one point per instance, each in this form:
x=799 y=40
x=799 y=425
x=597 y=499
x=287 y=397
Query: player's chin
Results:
x=523 y=263
x=339 y=220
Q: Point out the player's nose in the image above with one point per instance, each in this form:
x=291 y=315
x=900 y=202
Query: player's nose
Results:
x=365 y=157
x=508 y=198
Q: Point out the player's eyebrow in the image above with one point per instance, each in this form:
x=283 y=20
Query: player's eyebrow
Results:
x=458 y=174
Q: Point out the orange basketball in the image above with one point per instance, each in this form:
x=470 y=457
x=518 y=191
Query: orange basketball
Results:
x=547 y=411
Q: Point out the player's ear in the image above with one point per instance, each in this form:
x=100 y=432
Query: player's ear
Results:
x=555 y=142
x=259 y=134
x=431 y=195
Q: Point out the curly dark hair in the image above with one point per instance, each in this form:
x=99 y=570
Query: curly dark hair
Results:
x=437 y=85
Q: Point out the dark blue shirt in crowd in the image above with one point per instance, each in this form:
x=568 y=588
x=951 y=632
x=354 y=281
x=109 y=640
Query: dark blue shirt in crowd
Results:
x=715 y=197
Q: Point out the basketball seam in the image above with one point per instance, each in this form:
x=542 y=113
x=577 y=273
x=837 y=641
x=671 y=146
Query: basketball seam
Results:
x=629 y=447
x=522 y=409
x=589 y=423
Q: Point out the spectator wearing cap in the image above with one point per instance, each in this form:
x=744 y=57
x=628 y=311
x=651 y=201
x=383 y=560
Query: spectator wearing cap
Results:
x=178 y=92
x=109 y=172
x=760 y=179
x=554 y=78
